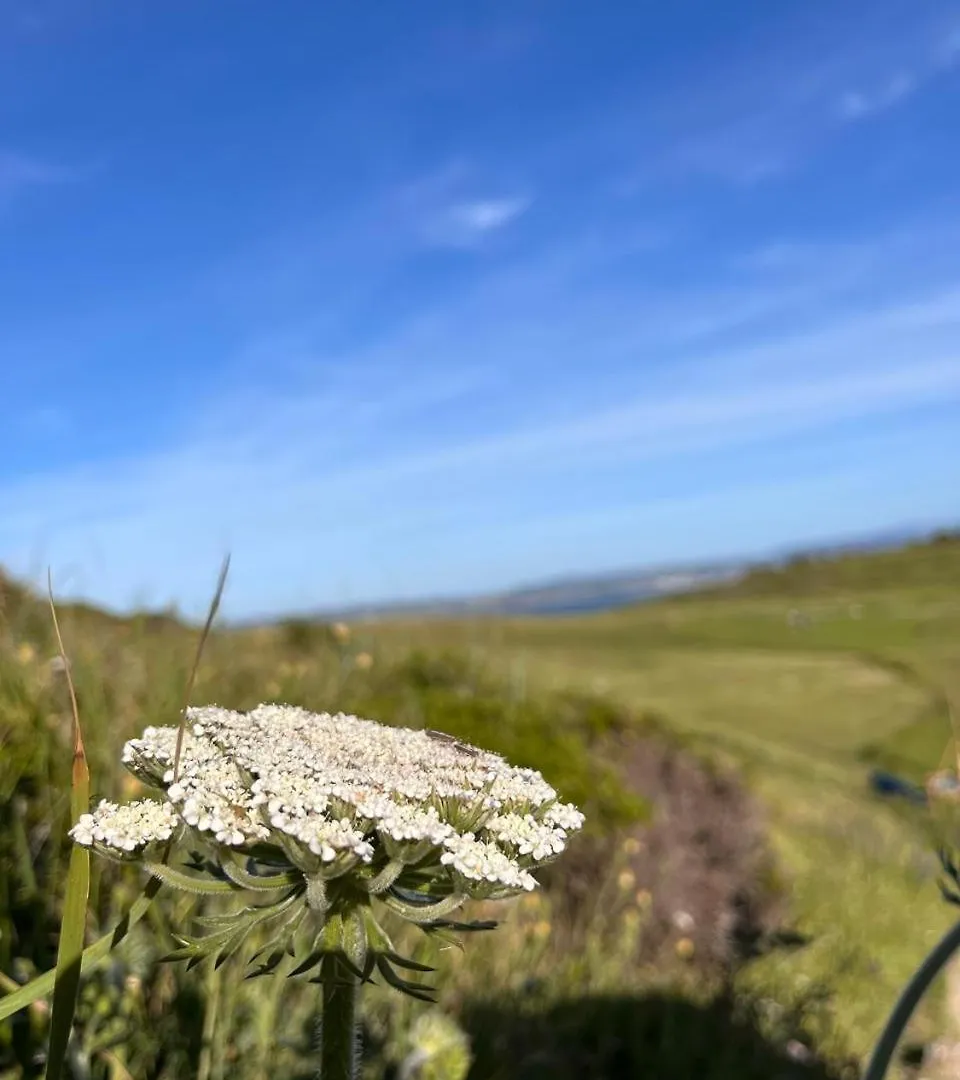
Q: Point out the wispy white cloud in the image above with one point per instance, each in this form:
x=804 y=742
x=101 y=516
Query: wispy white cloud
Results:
x=750 y=123
x=20 y=172
x=858 y=104
x=371 y=454
x=483 y=215
x=906 y=66
x=927 y=245
x=467 y=223
x=948 y=50
x=459 y=204
x=557 y=369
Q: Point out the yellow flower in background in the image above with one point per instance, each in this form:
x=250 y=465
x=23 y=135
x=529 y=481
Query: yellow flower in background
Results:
x=131 y=786
x=541 y=929
x=632 y=846
x=685 y=948
x=341 y=632
x=643 y=898
x=26 y=653
x=435 y=1048
x=626 y=880
x=363 y=661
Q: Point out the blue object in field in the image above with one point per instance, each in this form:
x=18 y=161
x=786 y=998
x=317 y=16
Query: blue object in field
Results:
x=884 y=783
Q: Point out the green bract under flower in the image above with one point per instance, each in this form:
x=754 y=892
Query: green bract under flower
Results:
x=336 y=811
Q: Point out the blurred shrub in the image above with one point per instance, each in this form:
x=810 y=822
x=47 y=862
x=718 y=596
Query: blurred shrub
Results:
x=562 y=735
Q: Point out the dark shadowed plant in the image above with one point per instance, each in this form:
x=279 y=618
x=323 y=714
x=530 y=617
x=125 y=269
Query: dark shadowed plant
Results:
x=933 y=964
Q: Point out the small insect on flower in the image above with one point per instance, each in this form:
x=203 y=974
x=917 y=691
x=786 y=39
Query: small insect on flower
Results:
x=451 y=740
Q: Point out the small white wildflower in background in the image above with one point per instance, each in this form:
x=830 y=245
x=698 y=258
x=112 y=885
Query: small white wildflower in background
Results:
x=683 y=921
x=435 y=1046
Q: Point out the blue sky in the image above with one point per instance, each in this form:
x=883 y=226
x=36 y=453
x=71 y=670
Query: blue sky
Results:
x=394 y=300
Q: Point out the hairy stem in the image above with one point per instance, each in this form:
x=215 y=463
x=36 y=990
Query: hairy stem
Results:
x=909 y=1000
x=338 y=1026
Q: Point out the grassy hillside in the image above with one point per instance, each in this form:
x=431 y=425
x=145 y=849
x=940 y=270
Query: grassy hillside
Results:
x=796 y=678
x=802 y=676
x=930 y=562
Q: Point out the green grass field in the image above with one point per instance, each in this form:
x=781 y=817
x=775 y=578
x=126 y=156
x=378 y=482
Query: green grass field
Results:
x=801 y=705
x=799 y=679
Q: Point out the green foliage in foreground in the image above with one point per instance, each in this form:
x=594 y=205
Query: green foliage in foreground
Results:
x=140 y=1018
x=800 y=705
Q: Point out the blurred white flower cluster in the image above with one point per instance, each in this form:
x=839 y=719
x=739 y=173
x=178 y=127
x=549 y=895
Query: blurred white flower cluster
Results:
x=337 y=795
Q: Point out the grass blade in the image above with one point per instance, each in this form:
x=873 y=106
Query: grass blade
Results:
x=211 y=615
x=69 y=958
x=70 y=949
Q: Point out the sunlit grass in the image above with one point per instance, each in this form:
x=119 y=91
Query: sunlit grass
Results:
x=800 y=707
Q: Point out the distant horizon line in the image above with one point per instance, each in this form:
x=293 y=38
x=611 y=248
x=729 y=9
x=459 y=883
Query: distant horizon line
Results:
x=486 y=601
x=878 y=539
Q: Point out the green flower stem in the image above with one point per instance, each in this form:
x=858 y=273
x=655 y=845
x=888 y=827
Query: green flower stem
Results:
x=338 y=1027
x=909 y=1000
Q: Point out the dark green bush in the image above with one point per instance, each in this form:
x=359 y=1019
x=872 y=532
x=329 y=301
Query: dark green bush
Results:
x=558 y=734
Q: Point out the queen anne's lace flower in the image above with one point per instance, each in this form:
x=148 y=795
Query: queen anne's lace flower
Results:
x=332 y=813
x=344 y=789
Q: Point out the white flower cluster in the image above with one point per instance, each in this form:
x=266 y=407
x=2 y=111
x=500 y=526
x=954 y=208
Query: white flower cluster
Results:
x=126 y=829
x=341 y=790
x=528 y=836
x=210 y=791
x=480 y=860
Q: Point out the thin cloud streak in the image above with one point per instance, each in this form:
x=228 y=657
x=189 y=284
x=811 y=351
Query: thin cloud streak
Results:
x=467 y=224
x=857 y=105
x=274 y=463
x=19 y=172
x=469 y=346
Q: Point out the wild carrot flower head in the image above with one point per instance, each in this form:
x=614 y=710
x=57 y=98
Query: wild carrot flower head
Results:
x=334 y=812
